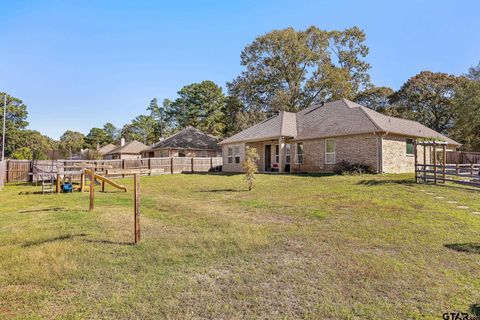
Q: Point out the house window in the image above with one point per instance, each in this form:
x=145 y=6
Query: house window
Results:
x=237 y=154
x=299 y=157
x=287 y=153
x=329 y=151
x=277 y=154
x=203 y=154
x=409 y=147
x=230 y=155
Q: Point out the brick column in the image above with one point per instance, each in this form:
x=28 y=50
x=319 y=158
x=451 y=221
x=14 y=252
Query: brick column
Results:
x=281 y=154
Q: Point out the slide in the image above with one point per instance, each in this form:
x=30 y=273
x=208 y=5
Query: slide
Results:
x=88 y=172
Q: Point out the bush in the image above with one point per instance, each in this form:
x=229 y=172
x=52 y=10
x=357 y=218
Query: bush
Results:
x=249 y=166
x=345 y=168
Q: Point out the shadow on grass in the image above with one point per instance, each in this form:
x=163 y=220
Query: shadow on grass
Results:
x=475 y=309
x=109 y=242
x=375 y=182
x=222 y=190
x=464 y=247
x=59 y=238
x=44 y=210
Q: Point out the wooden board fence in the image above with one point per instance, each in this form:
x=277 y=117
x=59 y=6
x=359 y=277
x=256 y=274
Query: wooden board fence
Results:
x=24 y=170
x=463 y=157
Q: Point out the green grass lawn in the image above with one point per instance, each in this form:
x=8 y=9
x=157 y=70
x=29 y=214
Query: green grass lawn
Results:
x=331 y=247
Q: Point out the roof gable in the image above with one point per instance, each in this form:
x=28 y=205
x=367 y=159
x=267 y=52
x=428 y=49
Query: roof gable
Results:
x=282 y=124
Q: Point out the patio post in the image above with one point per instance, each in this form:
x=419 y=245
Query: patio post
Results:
x=281 y=154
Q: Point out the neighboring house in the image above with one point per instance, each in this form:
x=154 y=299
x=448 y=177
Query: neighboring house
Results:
x=317 y=138
x=106 y=149
x=131 y=150
x=189 y=142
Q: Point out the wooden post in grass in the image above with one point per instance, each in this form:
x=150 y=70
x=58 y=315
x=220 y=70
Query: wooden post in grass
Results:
x=444 y=162
x=136 y=184
x=424 y=163
x=103 y=186
x=434 y=162
x=171 y=165
x=82 y=182
x=416 y=160
x=57 y=185
x=92 y=188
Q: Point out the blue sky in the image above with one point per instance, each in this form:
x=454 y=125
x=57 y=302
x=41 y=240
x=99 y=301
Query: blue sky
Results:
x=80 y=64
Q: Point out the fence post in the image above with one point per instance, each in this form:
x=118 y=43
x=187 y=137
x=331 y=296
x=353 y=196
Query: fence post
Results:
x=171 y=165
x=211 y=164
x=7 y=173
x=92 y=188
x=136 y=183
x=444 y=162
x=57 y=184
x=471 y=169
x=123 y=167
x=434 y=162
x=192 y=166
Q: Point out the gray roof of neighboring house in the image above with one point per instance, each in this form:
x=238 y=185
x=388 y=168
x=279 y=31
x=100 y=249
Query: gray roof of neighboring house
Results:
x=106 y=149
x=132 y=147
x=336 y=118
x=189 y=138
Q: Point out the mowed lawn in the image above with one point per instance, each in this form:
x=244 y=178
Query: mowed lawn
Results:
x=318 y=247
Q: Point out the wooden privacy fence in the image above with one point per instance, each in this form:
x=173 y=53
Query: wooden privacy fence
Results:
x=23 y=170
x=3 y=172
x=463 y=157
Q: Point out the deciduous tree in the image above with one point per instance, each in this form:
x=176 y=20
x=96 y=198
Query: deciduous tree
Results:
x=289 y=69
x=467 y=126
x=376 y=98
x=427 y=97
x=16 y=116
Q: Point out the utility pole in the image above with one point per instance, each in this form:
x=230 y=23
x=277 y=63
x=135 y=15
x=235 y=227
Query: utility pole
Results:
x=4 y=121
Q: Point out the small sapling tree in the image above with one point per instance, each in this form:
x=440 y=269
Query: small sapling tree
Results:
x=249 y=166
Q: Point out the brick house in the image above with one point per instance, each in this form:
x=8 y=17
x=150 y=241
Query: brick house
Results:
x=189 y=142
x=317 y=138
x=130 y=150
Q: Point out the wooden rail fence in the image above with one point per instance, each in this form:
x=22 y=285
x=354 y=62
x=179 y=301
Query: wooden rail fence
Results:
x=23 y=170
x=467 y=174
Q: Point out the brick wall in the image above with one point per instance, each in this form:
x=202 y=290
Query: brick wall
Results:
x=354 y=149
x=395 y=158
x=232 y=167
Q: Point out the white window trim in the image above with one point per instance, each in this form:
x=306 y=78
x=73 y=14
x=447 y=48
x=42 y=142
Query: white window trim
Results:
x=289 y=153
x=296 y=153
x=330 y=153
x=236 y=154
x=229 y=155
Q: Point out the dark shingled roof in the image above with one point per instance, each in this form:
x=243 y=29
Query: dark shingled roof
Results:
x=336 y=118
x=189 y=138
